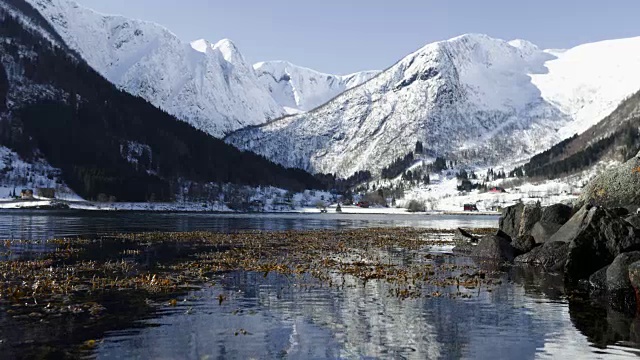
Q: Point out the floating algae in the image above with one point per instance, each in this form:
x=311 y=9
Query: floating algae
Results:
x=75 y=277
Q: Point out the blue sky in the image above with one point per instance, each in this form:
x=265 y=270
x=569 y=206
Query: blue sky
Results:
x=343 y=36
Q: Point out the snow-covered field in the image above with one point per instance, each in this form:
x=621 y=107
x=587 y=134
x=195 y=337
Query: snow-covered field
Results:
x=443 y=194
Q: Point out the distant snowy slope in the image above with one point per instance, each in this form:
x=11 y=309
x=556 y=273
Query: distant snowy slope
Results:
x=298 y=88
x=589 y=81
x=473 y=98
x=208 y=85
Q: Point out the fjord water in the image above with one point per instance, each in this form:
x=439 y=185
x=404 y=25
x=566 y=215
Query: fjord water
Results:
x=269 y=316
x=40 y=225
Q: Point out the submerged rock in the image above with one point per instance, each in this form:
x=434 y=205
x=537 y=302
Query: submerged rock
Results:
x=461 y=236
x=464 y=249
x=494 y=248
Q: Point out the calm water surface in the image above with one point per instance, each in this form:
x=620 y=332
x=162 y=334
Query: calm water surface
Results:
x=528 y=316
x=33 y=225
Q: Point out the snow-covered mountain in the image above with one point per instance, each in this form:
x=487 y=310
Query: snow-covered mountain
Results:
x=208 y=85
x=61 y=119
x=472 y=98
x=299 y=89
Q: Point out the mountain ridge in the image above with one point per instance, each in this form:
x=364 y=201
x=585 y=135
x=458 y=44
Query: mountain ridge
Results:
x=216 y=93
x=303 y=89
x=471 y=98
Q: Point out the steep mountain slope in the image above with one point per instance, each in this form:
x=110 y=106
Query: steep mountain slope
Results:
x=616 y=138
x=300 y=89
x=102 y=139
x=207 y=85
x=472 y=98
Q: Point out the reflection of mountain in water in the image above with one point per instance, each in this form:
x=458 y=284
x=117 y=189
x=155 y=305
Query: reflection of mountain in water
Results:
x=289 y=318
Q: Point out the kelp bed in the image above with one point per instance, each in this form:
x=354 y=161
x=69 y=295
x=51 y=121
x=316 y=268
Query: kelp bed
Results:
x=81 y=277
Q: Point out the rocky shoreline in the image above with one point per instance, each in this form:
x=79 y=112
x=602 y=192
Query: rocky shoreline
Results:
x=594 y=243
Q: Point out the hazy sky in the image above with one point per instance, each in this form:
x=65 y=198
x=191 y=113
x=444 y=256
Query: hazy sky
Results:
x=342 y=36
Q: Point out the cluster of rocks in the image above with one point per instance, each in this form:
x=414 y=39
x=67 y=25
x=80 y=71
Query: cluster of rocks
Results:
x=591 y=245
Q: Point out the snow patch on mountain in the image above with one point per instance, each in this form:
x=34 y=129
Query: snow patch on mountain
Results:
x=589 y=81
x=475 y=99
x=301 y=89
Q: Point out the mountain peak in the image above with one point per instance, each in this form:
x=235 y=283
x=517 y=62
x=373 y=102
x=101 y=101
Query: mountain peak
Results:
x=471 y=37
x=201 y=45
x=229 y=51
x=473 y=98
x=523 y=44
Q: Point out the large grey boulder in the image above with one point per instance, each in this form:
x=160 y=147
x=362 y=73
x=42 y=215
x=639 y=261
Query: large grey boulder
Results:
x=556 y=214
x=595 y=238
x=618 y=272
x=519 y=219
x=510 y=219
x=612 y=283
x=523 y=244
x=616 y=187
x=501 y=234
x=531 y=214
x=543 y=231
x=551 y=256
x=496 y=248
x=552 y=219
x=568 y=231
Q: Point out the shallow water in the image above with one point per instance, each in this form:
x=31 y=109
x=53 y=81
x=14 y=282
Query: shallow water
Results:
x=359 y=321
x=527 y=316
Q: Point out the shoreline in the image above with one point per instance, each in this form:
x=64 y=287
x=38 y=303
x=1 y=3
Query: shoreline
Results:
x=175 y=211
